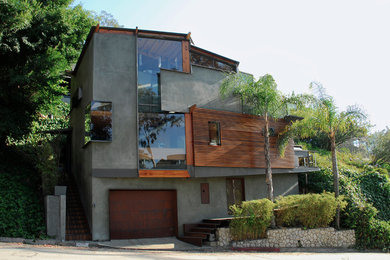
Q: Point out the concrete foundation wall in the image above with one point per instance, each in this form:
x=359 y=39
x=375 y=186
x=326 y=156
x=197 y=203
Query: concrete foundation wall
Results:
x=190 y=209
x=115 y=81
x=179 y=90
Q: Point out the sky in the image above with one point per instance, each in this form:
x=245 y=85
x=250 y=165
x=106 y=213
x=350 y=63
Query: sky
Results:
x=343 y=44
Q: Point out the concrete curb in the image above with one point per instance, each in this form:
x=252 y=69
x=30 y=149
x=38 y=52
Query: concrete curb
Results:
x=52 y=242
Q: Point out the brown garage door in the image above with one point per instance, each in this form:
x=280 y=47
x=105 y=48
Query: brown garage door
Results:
x=142 y=213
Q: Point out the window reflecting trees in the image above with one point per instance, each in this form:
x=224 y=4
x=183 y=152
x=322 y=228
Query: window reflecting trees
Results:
x=162 y=141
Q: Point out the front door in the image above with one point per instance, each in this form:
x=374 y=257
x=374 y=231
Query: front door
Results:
x=235 y=191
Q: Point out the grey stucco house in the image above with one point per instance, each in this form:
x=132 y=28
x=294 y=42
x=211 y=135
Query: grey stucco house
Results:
x=153 y=144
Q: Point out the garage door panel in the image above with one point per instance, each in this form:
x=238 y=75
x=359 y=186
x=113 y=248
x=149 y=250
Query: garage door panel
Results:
x=141 y=214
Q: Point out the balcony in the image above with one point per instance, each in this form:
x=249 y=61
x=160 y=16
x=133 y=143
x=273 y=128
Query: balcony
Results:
x=305 y=160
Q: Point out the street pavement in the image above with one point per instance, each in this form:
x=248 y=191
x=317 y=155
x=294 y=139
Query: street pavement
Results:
x=25 y=251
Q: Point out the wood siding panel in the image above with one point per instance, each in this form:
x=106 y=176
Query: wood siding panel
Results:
x=185 y=48
x=189 y=140
x=242 y=141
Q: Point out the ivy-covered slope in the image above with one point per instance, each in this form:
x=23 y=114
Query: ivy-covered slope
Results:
x=367 y=190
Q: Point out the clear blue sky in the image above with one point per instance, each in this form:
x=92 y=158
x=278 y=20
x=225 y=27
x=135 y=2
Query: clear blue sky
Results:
x=345 y=45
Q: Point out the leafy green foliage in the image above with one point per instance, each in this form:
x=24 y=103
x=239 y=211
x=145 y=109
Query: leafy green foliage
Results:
x=106 y=19
x=366 y=191
x=379 y=143
x=251 y=219
x=309 y=210
x=39 y=40
x=261 y=97
x=322 y=120
x=376 y=188
x=21 y=210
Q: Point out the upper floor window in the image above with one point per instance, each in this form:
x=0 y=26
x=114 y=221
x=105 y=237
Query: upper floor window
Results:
x=98 y=121
x=154 y=54
x=214 y=133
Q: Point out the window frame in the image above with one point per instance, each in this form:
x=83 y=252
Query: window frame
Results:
x=88 y=134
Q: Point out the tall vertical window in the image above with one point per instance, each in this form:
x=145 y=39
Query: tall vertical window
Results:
x=98 y=121
x=214 y=133
x=154 y=54
x=162 y=143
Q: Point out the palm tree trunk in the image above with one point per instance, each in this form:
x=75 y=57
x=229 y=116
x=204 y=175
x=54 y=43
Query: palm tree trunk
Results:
x=335 y=176
x=268 y=170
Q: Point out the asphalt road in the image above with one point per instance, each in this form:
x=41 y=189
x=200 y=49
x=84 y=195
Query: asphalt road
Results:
x=22 y=251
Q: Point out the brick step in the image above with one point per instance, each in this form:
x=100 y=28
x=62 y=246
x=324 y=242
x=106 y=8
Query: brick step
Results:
x=79 y=231
x=77 y=226
x=82 y=237
x=75 y=213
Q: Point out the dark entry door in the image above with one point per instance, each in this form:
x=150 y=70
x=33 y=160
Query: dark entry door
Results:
x=142 y=213
x=235 y=191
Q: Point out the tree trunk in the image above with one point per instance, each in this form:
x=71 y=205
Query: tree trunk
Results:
x=335 y=176
x=268 y=170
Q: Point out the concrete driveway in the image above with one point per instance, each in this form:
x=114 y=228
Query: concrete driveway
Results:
x=164 y=243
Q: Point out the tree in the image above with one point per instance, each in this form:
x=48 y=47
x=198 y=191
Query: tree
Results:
x=263 y=99
x=379 y=144
x=106 y=19
x=321 y=117
x=39 y=40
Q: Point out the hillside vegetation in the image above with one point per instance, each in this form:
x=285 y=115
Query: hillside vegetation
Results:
x=366 y=188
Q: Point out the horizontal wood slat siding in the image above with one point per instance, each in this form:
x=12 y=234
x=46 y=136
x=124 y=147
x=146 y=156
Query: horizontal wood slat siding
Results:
x=242 y=142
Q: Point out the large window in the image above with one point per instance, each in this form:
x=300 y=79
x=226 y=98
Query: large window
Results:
x=162 y=141
x=98 y=121
x=154 y=54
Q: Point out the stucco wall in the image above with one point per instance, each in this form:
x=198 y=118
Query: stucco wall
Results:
x=179 y=90
x=115 y=81
x=190 y=209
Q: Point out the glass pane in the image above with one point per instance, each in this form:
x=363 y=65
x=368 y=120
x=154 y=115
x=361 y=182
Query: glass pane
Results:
x=154 y=54
x=162 y=141
x=214 y=133
x=101 y=122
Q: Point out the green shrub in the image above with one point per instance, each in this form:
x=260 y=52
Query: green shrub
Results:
x=46 y=163
x=251 y=219
x=308 y=210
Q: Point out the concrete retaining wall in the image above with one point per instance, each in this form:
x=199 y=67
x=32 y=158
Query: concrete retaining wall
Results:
x=293 y=237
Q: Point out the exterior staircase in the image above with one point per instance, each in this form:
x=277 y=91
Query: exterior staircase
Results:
x=77 y=227
x=203 y=233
